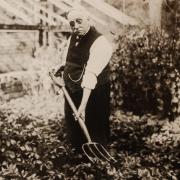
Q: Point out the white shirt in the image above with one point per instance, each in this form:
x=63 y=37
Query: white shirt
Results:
x=100 y=54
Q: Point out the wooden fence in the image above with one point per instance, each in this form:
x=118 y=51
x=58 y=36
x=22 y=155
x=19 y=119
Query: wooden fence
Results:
x=44 y=18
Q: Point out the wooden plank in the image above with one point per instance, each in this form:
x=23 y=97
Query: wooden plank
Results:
x=8 y=17
x=13 y=10
x=19 y=27
x=54 y=15
x=20 y=5
x=60 y=5
x=3 y=19
x=69 y=2
x=6 y=40
x=15 y=30
x=112 y=12
x=31 y=11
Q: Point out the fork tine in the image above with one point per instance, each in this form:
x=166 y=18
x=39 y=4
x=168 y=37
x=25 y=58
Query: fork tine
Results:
x=97 y=151
x=103 y=152
x=106 y=153
x=89 y=148
x=87 y=153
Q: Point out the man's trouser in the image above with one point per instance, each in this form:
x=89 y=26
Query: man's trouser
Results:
x=97 y=117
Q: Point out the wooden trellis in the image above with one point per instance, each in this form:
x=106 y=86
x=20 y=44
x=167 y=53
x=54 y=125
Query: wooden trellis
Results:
x=40 y=16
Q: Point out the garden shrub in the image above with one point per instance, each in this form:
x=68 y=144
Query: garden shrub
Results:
x=146 y=145
x=145 y=73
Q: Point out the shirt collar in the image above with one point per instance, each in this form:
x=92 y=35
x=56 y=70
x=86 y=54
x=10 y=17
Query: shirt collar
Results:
x=79 y=37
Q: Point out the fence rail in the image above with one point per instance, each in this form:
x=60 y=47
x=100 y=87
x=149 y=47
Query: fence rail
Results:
x=34 y=12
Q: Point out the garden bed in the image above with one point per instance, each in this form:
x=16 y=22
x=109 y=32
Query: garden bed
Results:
x=33 y=144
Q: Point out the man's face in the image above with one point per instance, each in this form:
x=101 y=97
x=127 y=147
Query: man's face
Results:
x=79 y=23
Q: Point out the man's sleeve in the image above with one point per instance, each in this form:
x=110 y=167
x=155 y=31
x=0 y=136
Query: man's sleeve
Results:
x=100 y=54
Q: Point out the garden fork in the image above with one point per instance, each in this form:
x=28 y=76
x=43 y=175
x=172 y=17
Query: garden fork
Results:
x=93 y=150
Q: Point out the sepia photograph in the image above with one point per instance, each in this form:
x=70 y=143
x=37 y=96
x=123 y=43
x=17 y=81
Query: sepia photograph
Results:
x=89 y=89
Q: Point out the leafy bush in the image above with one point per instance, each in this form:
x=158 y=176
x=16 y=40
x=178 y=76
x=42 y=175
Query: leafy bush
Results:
x=29 y=140
x=146 y=145
x=145 y=73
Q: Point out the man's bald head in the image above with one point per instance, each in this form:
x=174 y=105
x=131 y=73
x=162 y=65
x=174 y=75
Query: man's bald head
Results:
x=77 y=13
x=79 y=21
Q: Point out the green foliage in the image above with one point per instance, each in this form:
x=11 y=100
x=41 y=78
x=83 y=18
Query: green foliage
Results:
x=145 y=73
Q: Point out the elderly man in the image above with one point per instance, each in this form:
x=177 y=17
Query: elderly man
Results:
x=86 y=77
